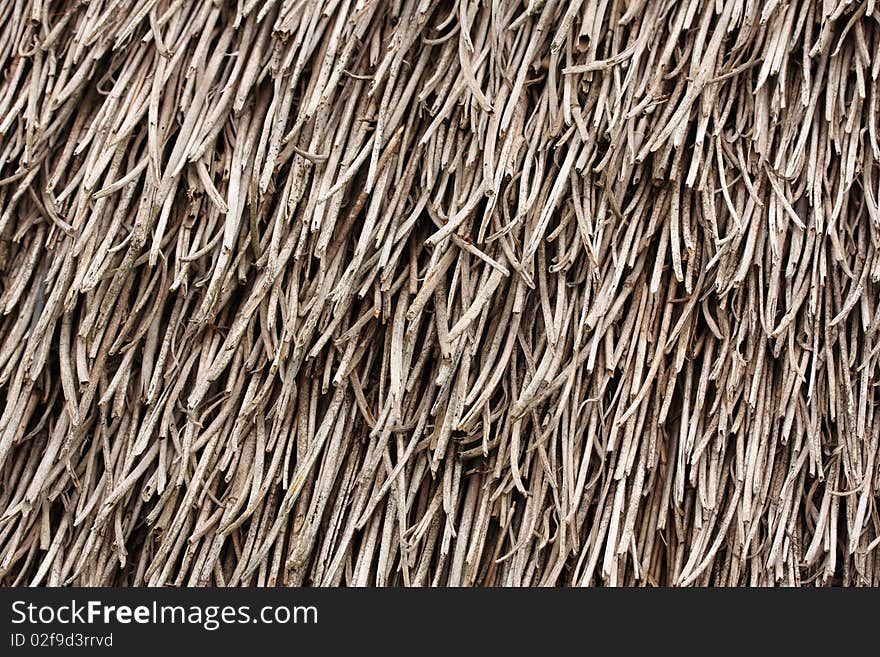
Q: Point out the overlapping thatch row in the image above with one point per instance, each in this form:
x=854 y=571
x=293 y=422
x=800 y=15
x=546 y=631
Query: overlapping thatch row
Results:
x=414 y=292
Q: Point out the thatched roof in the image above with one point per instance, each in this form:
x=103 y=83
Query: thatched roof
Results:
x=456 y=293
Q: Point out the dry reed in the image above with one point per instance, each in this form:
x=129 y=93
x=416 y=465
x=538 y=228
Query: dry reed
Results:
x=402 y=292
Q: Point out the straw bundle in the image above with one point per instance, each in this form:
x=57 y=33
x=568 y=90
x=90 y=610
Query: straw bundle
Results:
x=439 y=293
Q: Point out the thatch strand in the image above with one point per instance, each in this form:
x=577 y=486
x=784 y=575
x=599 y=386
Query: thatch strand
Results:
x=439 y=293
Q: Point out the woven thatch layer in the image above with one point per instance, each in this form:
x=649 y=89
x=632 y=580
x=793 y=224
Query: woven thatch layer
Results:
x=322 y=292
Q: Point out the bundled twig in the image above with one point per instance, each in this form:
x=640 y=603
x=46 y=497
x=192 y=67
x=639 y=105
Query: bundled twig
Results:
x=377 y=292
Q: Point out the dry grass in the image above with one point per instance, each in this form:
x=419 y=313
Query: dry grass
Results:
x=457 y=293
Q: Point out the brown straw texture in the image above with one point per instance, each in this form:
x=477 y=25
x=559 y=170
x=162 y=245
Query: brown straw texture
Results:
x=406 y=292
